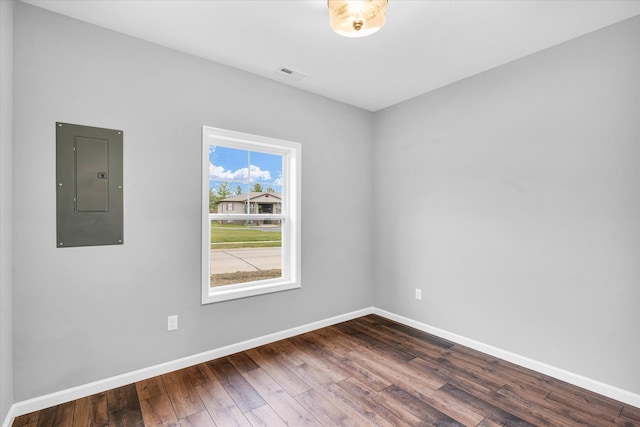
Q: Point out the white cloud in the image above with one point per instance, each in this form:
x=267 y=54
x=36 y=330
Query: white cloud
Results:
x=254 y=172
x=257 y=174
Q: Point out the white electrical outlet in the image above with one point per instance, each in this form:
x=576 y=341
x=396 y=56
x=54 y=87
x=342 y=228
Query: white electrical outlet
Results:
x=172 y=323
x=418 y=293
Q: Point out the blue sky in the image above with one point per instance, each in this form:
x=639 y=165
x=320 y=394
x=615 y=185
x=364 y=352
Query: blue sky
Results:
x=232 y=165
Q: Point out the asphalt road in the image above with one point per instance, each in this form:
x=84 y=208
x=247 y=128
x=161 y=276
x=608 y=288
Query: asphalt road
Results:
x=245 y=259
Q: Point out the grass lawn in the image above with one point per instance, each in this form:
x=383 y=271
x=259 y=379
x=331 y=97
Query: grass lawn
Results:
x=225 y=236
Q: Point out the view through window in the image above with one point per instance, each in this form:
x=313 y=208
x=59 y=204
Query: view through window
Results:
x=250 y=214
x=248 y=182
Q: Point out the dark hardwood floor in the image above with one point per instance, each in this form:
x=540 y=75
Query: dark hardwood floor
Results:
x=368 y=371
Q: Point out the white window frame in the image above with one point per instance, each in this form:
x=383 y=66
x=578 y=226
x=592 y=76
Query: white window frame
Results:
x=290 y=215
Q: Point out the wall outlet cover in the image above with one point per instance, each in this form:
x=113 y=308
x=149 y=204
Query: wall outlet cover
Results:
x=172 y=323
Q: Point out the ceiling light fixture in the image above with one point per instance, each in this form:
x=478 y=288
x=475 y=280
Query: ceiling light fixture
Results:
x=357 y=18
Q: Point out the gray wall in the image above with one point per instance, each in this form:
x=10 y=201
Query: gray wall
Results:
x=524 y=186
x=6 y=100
x=82 y=314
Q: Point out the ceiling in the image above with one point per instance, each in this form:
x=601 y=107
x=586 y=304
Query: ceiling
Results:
x=424 y=44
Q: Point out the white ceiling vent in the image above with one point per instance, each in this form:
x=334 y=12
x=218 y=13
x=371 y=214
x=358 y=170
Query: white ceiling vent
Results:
x=292 y=74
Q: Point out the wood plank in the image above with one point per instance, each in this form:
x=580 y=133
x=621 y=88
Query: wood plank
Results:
x=364 y=375
x=323 y=410
x=123 y=407
x=350 y=405
x=287 y=353
x=264 y=416
x=492 y=413
x=331 y=341
x=313 y=355
x=423 y=349
x=584 y=405
x=474 y=372
x=474 y=385
x=376 y=331
x=489 y=359
x=370 y=342
x=64 y=417
x=392 y=334
x=317 y=378
x=419 y=409
x=631 y=413
x=47 y=417
x=350 y=402
x=183 y=396
x=59 y=416
x=554 y=410
x=489 y=423
x=244 y=396
x=290 y=382
x=525 y=404
x=201 y=419
x=408 y=331
x=149 y=388
x=200 y=374
x=91 y=411
x=508 y=373
x=379 y=363
x=527 y=380
x=585 y=396
x=27 y=420
x=379 y=404
x=287 y=408
x=325 y=385
x=221 y=406
x=451 y=406
x=495 y=373
x=242 y=362
x=158 y=411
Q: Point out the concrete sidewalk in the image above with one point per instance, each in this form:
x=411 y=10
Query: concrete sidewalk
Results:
x=245 y=259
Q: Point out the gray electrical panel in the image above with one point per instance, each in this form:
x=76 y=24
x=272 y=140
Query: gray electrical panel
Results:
x=89 y=186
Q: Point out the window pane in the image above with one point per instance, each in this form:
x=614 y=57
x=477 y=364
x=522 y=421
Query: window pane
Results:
x=242 y=252
x=236 y=175
x=228 y=178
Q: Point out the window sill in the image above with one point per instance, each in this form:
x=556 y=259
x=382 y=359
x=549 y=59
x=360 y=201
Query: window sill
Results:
x=244 y=290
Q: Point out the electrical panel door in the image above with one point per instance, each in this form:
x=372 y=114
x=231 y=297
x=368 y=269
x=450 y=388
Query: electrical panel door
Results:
x=89 y=186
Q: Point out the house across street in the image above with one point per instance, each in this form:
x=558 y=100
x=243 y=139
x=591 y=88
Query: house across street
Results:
x=253 y=202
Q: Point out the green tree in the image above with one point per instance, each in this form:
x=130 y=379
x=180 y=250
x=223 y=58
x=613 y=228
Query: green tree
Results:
x=271 y=189
x=257 y=188
x=213 y=201
x=238 y=190
x=223 y=191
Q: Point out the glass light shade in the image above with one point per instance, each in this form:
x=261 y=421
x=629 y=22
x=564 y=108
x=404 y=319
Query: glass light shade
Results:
x=357 y=18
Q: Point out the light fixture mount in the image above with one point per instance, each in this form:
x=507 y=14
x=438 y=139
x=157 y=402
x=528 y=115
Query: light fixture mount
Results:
x=357 y=18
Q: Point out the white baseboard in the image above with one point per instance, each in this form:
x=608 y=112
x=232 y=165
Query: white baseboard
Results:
x=8 y=420
x=570 y=377
x=46 y=401
x=62 y=396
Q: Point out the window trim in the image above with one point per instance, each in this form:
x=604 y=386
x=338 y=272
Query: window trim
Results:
x=290 y=215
